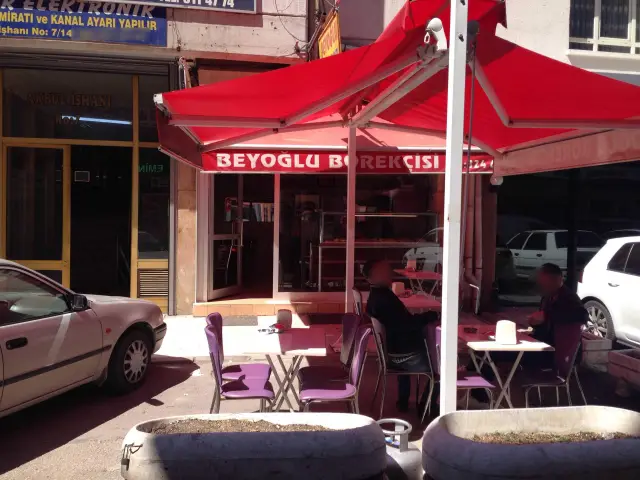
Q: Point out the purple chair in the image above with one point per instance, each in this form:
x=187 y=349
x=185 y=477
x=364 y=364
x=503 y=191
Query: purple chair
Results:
x=568 y=339
x=380 y=335
x=350 y=324
x=357 y=302
x=244 y=388
x=467 y=380
x=316 y=391
x=260 y=371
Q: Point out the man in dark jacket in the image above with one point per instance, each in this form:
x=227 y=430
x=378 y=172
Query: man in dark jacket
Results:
x=559 y=305
x=404 y=331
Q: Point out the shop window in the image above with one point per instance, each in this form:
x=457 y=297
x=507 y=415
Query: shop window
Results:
x=148 y=86
x=312 y=223
x=397 y=221
x=154 y=174
x=67 y=104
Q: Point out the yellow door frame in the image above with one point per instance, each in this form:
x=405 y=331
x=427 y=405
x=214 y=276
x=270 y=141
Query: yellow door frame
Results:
x=64 y=263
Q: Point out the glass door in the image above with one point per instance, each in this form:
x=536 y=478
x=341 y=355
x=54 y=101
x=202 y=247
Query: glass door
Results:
x=36 y=208
x=226 y=235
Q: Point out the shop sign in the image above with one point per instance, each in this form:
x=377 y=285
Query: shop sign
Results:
x=329 y=42
x=372 y=162
x=104 y=22
x=236 y=6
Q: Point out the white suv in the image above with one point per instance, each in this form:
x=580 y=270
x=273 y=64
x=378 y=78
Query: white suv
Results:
x=610 y=290
x=534 y=248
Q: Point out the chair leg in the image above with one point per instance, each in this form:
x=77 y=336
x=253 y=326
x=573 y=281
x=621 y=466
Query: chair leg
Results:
x=213 y=402
x=584 y=398
x=384 y=391
x=432 y=386
x=356 y=408
x=557 y=396
x=262 y=405
x=526 y=397
x=375 y=391
x=568 y=394
x=539 y=396
x=490 y=395
x=306 y=406
x=417 y=392
x=467 y=400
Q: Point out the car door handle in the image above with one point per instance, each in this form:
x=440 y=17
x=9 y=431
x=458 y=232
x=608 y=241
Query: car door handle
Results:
x=538 y=254
x=613 y=284
x=516 y=254
x=16 y=343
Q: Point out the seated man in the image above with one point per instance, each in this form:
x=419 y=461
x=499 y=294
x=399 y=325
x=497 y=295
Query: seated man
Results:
x=559 y=305
x=405 y=339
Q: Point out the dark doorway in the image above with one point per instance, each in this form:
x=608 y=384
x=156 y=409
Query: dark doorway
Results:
x=257 y=259
x=100 y=220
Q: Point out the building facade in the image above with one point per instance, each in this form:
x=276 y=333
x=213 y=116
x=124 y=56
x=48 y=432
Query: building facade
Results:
x=87 y=198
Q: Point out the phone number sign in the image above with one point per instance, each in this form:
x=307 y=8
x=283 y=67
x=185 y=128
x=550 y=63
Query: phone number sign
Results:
x=104 y=22
x=235 y=6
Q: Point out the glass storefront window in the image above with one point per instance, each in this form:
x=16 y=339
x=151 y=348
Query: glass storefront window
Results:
x=34 y=203
x=148 y=86
x=154 y=175
x=304 y=201
x=67 y=104
x=396 y=222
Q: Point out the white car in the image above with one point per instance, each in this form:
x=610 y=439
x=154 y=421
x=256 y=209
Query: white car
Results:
x=53 y=340
x=610 y=290
x=534 y=248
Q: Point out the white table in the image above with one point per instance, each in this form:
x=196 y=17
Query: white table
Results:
x=419 y=303
x=482 y=341
x=295 y=343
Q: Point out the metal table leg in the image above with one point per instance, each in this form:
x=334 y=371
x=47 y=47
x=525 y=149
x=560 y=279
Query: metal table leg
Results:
x=280 y=393
x=504 y=386
x=290 y=375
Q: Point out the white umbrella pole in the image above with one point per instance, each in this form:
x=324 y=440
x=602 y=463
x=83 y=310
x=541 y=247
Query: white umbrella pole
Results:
x=453 y=205
x=351 y=221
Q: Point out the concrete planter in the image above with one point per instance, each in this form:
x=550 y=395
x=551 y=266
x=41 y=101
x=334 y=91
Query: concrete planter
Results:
x=354 y=448
x=595 y=352
x=625 y=365
x=449 y=454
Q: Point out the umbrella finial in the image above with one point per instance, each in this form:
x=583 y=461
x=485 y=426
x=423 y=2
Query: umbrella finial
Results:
x=435 y=28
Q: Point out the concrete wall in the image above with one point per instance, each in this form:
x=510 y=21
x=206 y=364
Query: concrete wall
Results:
x=274 y=31
x=362 y=21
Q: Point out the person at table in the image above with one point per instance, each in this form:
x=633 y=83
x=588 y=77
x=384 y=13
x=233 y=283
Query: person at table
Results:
x=559 y=305
x=405 y=339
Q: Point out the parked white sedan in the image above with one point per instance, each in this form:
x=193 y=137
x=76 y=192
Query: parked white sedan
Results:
x=609 y=288
x=52 y=339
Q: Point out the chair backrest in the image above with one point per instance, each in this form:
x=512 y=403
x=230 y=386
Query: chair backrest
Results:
x=380 y=337
x=359 y=355
x=357 y=302
x=214 y=320
x=568 y=338
x=214 y=353
x=350 y=324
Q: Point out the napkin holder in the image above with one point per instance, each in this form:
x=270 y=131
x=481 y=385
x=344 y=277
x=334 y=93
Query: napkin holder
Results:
x=506 y=333
x=397 y=288
x=285 y=318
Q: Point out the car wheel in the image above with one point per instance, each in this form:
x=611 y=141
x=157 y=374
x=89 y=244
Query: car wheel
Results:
x=129 y=362
x=600 y=323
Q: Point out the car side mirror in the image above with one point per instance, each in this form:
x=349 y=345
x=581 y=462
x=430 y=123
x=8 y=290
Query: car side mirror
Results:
x=79 y=303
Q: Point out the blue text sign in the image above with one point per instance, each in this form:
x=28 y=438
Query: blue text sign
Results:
x=104 y=22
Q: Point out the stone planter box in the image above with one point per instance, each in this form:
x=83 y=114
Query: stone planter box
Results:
x=595 y=352
x=449 y=454
x=625 y=365
x=354 y=448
